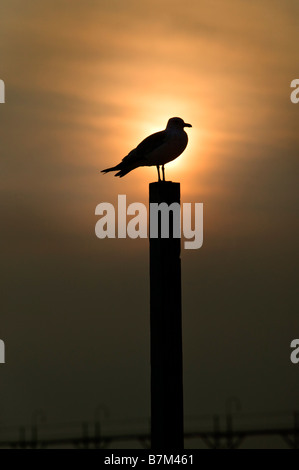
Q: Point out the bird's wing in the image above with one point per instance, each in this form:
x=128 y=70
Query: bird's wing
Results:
x=145 y=147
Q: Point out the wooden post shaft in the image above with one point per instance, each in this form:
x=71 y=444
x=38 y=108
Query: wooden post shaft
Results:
x=166 y=329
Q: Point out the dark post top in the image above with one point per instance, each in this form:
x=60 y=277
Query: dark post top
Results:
x=164 y=191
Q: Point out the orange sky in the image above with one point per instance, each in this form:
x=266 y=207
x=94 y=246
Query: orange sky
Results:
x=86 y=81
x=94 y=80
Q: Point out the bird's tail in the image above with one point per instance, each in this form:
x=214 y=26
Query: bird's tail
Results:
x=121 y=170
x=113 y=168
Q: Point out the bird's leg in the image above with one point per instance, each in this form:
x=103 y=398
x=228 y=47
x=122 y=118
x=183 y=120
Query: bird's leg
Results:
x=163 y=172
x=158 y=170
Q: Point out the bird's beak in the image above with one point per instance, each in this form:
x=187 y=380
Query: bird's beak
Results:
x=187 y=125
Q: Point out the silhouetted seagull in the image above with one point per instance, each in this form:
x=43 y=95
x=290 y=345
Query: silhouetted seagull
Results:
x=157 y=149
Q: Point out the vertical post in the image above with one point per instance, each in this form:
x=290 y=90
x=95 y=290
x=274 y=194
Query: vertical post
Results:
x=167 y=419
x=216 y=423
x=296 y=430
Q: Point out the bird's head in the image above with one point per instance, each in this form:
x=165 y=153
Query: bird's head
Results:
x=176 y=123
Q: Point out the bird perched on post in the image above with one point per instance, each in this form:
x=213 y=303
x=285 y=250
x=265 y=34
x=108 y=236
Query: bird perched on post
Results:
x=156 y=150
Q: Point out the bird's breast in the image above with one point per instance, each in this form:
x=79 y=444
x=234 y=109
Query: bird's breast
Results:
x=173 y=146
